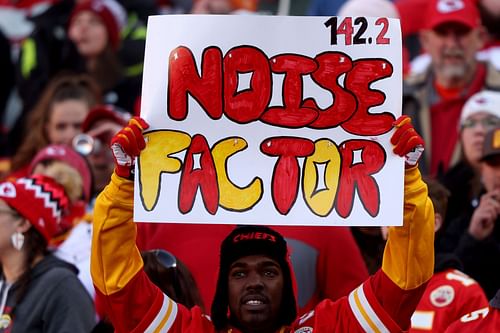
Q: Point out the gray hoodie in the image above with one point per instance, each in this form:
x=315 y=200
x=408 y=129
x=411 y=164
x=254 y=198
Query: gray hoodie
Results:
x=56 y=301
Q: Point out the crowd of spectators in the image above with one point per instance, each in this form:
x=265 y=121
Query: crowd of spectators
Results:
x=72 y=78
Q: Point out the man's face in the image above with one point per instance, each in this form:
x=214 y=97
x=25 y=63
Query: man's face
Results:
x=452 y=48
x=255 y=292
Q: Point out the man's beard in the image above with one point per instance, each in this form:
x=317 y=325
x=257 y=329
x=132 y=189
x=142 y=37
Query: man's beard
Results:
x=455 y=71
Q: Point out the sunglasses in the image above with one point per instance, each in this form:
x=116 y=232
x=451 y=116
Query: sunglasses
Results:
x=165 y=258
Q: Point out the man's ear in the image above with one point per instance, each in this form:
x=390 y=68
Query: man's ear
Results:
x=483 y=37
x=423 y=37
x=438 y=222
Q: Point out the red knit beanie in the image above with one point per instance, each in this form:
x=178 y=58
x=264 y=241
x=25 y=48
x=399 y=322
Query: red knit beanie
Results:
x=40 y=200
x=112 y=14
x=67 y=155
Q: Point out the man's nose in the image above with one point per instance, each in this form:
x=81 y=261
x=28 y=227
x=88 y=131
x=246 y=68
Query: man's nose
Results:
x=254 y=281
x=451 y=38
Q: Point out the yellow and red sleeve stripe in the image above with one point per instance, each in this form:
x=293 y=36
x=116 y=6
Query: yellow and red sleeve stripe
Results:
x=369 y=313
x=131 y=301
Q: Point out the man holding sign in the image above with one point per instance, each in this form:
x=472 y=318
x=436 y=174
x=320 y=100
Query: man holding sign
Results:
x=284 y=121
x=255 y=286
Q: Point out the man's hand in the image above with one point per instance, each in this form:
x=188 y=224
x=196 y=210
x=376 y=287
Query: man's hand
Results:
x=484 y=217
x=407 y=142
x=127 y=145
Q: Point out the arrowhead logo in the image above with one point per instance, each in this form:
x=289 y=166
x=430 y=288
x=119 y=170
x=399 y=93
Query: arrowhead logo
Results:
x=449 y=6
x=7 y=190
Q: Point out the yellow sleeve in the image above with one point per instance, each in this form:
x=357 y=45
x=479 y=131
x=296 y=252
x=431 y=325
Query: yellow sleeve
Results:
x=115 y=259
x=409 y=253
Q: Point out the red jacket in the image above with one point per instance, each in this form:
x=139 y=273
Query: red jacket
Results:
x=384 y=303
x=142 y=307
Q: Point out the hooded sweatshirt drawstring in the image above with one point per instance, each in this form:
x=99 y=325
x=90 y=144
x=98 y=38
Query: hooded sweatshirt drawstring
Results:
x=4 y=291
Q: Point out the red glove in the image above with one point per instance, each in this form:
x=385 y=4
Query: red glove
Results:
x=407 y=142
x=127 y=145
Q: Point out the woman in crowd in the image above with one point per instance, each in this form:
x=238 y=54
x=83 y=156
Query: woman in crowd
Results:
x=57 y=117
x=38 y=292
x=71 y=170
x=96 y=27
x=479 y=114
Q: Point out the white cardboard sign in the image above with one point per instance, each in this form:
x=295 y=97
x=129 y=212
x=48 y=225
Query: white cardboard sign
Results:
x=271 y=120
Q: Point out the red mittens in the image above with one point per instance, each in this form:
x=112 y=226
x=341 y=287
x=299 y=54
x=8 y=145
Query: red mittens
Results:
x=127 y=145
x=407 y=142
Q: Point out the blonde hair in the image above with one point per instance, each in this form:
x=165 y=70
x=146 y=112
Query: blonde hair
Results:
x=67 y=176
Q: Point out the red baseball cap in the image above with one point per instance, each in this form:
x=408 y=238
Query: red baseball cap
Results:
x=463 y=12
x=109 y=112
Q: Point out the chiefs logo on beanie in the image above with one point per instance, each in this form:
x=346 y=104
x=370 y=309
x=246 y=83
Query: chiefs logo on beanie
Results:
x=250 y=240
x=40 y=200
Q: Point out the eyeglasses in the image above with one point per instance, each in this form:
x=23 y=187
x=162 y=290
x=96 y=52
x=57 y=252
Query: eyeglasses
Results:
x=165 y=258
x=487 y=123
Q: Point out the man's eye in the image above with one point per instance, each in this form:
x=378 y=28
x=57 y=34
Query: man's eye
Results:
x=237 y=274
x=270 y=273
